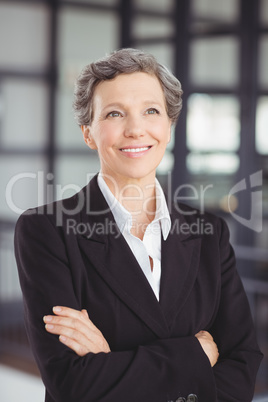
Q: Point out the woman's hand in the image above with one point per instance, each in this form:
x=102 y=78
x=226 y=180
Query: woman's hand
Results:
x=76 y=331
x=209 y=346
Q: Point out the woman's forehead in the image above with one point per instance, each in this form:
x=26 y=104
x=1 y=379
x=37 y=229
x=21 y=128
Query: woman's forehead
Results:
x=139 y=84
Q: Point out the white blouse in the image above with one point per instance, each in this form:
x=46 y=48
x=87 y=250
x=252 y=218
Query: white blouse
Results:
x=150 y=246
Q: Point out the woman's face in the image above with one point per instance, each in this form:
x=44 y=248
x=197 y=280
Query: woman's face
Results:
x=130 y=126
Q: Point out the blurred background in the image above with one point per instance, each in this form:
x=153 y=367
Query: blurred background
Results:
x=218 y=155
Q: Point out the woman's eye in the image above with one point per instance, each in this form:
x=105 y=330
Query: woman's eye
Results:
x=114 y=114
x=152 y=111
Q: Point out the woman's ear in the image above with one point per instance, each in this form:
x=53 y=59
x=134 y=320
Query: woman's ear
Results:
x=89 y=140
x=170 y=132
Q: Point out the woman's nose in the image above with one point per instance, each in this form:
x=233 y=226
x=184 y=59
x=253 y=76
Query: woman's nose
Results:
x=134 y=127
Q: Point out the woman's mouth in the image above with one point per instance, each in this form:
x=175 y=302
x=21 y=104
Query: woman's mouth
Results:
x=135 y=152
x=135 y=149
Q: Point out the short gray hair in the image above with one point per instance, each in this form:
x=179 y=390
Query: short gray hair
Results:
x=124 y=61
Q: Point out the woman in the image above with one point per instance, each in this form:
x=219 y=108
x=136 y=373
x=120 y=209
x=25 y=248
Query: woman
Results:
x=136 y=307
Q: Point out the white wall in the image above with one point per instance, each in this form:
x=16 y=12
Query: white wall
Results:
x=17 y=386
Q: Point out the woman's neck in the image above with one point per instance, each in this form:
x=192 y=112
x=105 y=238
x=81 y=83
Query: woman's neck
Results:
x=136 y=195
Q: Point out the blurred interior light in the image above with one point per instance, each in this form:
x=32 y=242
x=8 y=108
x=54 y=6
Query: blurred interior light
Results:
x=262 y=126
x=263 y=61
x=213 y=123
x=214 y=62
x=229 y=203
x=216 y=163
x=216 y=10
x=152 y=27
x=157 y=5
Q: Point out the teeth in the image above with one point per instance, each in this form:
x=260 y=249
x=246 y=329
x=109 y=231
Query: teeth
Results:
x=134 y=149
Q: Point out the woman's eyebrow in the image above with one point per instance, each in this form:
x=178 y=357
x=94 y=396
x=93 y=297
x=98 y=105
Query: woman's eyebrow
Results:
x=122 y=105
x=114 y=104
x=151 y=102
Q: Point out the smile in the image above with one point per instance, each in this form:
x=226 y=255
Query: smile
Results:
x=135 y=149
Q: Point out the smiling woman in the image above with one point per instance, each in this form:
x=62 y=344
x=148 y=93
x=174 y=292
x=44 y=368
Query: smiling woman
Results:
x=126 y=300
x=131 y=135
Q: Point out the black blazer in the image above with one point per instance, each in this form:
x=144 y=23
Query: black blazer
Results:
x=71 y=253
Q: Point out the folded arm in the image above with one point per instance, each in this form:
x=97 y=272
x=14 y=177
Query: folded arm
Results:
x=77 y=331
x=160 y=370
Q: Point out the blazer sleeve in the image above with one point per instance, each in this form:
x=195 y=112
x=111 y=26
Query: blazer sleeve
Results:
x=233 y=332
x=159 y=371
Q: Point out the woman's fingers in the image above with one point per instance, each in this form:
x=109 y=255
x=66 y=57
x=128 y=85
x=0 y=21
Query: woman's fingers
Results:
x=72 y=318
x=76 y=331
x=67 y=332
x=77 y=341
x=204 y=334
x=74 y=323
x=209 y=346
x=79 y=349
x=77 y=320
x=85 y=313
x=72 y=313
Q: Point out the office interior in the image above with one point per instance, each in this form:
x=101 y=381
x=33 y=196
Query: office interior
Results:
x=218 y=154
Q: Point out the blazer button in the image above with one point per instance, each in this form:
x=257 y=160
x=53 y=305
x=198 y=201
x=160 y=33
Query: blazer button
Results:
x=181 y=400
x=192 y=398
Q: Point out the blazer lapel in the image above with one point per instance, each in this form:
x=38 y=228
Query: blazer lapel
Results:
x=106 y=249
x=180 y=262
